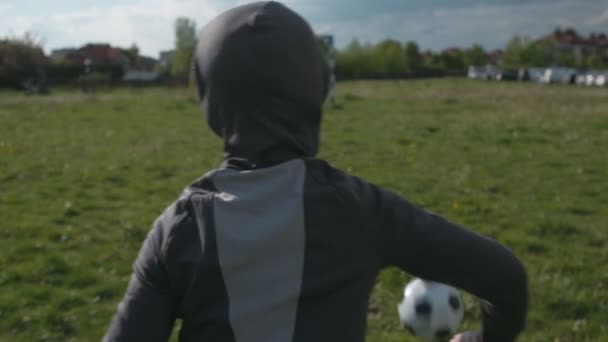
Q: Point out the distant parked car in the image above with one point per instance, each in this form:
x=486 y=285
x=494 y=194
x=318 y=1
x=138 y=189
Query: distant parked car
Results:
x=581 y=78
x=601 y=79
x=559 y=75
x=491 y=72
x=536 y=74
x=476 y=72
x=590 y=78
x=523 y=75
x=486 y=72
x=507 y=75
x=530 y=74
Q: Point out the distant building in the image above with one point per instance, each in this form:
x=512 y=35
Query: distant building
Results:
x=569 y=40
x=104 y=54
x=60 y=55
x=139 y=62
x=495 y=56
x=453 y=51
x=146 y=63
x=166 y=59
x=99 y=54
x=426 y=55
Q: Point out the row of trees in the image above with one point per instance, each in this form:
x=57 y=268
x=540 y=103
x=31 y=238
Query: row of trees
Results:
x=526 y=52
x=392 y=59
x=22 y=58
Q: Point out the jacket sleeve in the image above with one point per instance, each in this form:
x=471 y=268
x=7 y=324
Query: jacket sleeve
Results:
x=146 y=312
x=427 y=246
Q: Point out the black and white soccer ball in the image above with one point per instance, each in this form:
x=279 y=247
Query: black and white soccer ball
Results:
x=431 y=311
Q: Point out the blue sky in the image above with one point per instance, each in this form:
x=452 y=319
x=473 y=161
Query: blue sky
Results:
x=434 y=24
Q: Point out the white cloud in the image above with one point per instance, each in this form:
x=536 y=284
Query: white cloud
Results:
x=601 y=20
x=147 y=23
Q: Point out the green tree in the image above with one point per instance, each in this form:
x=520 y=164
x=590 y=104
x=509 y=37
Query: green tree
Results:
x=412 y=57
x=22 y=61
x=564 y=58
x=355 y=61
x=513 y=56
x=596 y=61
x=525 y=52
x=539 y=53
x=452 y=60
x=346 y=65
x=133 y=50
x=185 y=42
x=432 y=60
x=133 y=54
x=475 y=56
x=389 y=59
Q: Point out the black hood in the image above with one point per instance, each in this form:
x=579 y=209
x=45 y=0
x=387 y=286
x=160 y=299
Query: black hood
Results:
x=263 y=80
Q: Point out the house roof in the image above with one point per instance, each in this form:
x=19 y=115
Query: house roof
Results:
x=570 y=37
x=96 y=53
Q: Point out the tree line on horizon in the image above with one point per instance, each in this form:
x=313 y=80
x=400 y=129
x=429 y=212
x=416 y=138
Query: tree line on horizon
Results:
x=392 y=59
x=22 y=58
x=523 y=51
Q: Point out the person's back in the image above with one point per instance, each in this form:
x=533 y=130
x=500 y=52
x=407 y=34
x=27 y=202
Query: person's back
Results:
x=276 y=245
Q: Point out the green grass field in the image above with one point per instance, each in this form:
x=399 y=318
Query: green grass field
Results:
x=82 y=177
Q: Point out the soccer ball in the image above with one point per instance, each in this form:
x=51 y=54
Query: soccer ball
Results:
x=431 y=311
